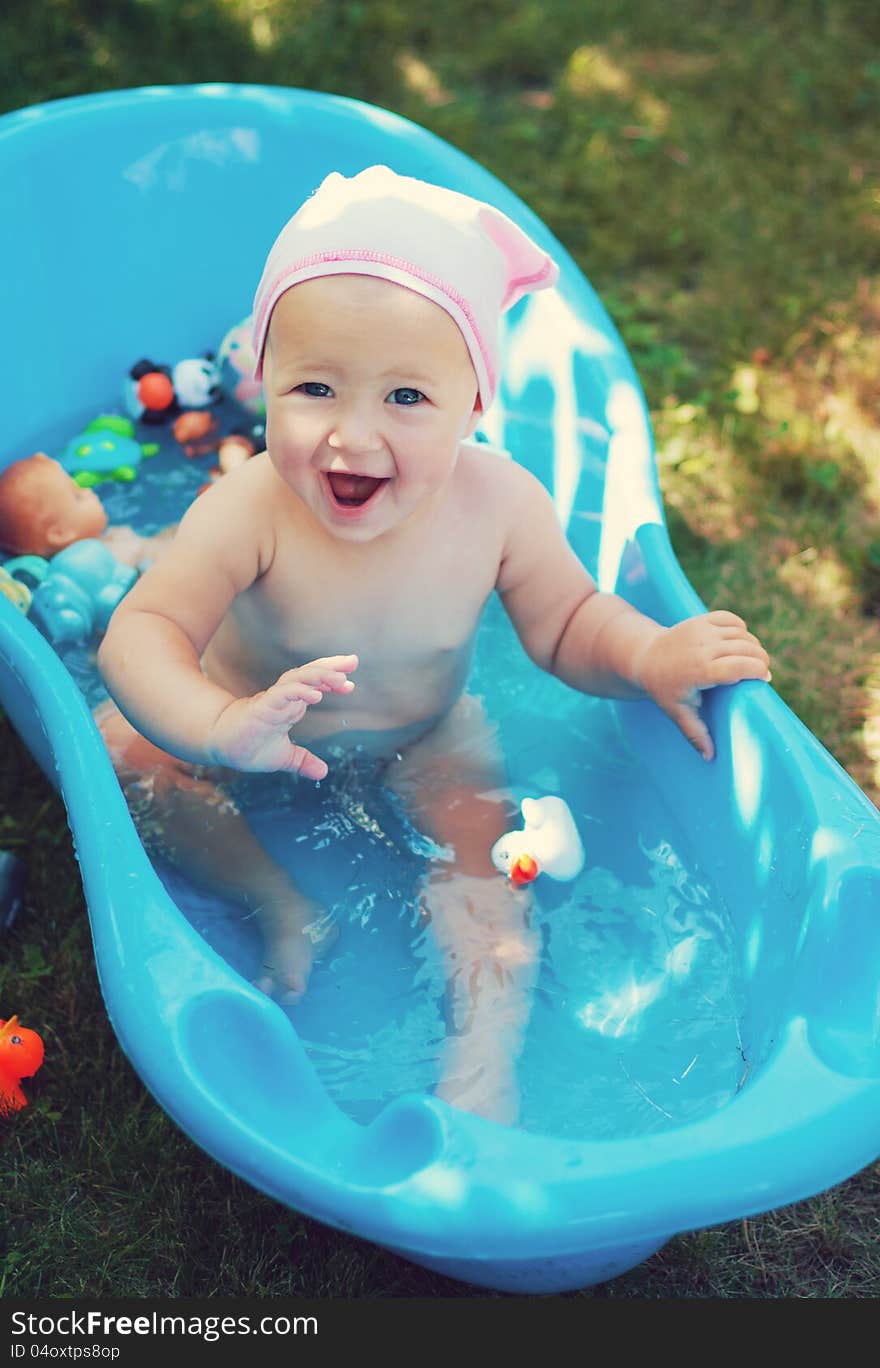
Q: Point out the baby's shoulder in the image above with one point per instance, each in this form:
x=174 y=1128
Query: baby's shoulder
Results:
x=236 y=515
x=248 y=488
x=485 y=465
x=249 y=478
x=492 y=473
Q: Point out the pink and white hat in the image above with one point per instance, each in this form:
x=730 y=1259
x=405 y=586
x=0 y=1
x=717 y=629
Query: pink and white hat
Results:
x=463 y=254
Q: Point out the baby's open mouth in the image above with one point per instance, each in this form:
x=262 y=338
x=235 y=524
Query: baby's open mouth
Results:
x=351 y=491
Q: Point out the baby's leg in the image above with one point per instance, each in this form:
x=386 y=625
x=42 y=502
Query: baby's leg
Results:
x=184 y=815
x=452 y=783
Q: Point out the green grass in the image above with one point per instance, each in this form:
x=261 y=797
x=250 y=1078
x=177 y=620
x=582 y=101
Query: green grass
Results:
x=713 y=170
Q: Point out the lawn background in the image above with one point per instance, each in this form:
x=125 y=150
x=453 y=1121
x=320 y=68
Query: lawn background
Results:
x=712 y=165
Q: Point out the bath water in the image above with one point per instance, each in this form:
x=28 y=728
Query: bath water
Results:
x=635 y=1020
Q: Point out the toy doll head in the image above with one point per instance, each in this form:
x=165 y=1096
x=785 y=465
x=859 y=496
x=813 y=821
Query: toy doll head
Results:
x=42 y=509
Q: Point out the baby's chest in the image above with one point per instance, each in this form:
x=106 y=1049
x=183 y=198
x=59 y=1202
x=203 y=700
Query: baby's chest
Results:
x=405 y=611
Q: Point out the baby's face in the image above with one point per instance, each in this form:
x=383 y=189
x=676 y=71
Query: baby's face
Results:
x=369 y=390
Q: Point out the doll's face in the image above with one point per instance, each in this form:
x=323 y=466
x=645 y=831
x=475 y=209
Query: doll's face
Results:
x=73 y=513
x=55 y=511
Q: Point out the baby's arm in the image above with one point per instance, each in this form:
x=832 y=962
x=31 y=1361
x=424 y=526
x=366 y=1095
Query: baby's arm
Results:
x=600 y=644
x=150 y=655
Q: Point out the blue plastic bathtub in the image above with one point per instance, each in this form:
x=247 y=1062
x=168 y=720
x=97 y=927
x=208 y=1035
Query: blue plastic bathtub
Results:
x=135 y=224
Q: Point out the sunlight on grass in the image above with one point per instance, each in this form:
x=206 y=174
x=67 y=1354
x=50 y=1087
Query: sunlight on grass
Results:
x=592 y=72
x=263 y=20
x=676 y=65
x=421 y=80
x=702 y=474
x=871 y=729
x=819 y=580
x=772 y=488
x=258 y=15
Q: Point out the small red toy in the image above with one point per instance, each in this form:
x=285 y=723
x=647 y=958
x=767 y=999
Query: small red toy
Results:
x=21 y=1054
x=197 y=432
x=155 y=391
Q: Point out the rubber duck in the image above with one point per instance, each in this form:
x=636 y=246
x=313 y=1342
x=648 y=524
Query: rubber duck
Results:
x=548 y=843
x=21 y=1054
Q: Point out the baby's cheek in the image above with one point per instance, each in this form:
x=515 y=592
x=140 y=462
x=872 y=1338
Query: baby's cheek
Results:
x=285 y=446
x=426 y=469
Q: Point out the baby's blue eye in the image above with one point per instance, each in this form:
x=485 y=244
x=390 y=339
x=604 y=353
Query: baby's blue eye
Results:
x=406 y=396
x=315 y=389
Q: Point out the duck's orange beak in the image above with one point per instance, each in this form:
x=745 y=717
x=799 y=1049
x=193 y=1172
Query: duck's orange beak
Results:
x=524 y=870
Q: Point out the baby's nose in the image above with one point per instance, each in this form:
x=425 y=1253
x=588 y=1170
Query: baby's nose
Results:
x=354 y=431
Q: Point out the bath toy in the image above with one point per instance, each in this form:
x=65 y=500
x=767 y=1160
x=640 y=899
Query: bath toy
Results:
x=14 y=590
x=548 y=843
x=44 y=512
x=197 y=381
x=153 y=392
x=76 y=591
x=105 y=450
x=21 y=1054
x=236 y=362
x=197 y=432
x=13 y=877
x=43 y=509
x=783 y=841
x=148 y=392
x=233 y=451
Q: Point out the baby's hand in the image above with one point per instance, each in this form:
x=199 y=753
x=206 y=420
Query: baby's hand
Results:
x=716 y=648
x=252 y=733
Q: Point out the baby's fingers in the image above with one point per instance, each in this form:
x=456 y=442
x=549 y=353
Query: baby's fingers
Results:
x=691 y=724
x=730 y=669
x=305 y=764
x=330 y=674
x=722 y=618
x=287 y=700
x=737 y=634
x=742 y=646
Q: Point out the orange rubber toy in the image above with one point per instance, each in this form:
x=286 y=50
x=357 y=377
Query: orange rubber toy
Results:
x=21 y=1054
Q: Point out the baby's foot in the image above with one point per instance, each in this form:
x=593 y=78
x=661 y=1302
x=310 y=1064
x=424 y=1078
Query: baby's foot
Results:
x=292 y=941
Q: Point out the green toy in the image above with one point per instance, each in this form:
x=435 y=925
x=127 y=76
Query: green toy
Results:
x=106 y=449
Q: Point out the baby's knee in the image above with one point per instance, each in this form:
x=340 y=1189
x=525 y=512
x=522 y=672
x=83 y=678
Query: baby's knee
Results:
x=138 y=763
x=128 y=750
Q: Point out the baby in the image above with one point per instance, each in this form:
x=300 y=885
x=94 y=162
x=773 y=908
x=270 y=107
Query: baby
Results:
x=365 y=541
